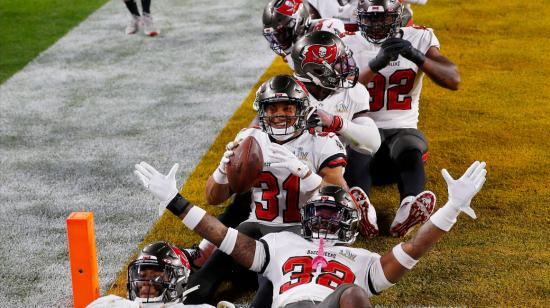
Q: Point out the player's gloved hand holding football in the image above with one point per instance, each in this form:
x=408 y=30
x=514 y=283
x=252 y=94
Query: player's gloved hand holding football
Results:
x=220 y=175
x=161 y=186
x=324 y=121
x=461 y=192
x=279 y=156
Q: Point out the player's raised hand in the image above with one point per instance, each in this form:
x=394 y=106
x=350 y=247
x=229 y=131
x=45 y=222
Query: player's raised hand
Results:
x=161 y=186
x=462 y=190
x=279 y=156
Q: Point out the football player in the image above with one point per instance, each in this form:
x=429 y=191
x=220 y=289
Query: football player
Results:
x=318 y=268
x=157 y=276
x=392 y=61
x=145 y=20
x=346 y=11
x=327 y=69
x=330 y=76
x=296 y=163
x=287 y=20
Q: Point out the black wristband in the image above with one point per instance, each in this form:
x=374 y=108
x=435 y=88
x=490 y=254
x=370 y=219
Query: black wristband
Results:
x=417 y=57
x=178 y=205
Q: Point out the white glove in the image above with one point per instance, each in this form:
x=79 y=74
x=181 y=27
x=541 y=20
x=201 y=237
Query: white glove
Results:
x=279 y=156
x=220 y=174
x=160 y=185
x=228 y=153
x=462 y=191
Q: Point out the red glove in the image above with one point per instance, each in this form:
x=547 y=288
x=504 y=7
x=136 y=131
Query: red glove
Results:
x=327 y=122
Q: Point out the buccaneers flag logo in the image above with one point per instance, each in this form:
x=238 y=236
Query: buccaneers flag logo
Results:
x=289 y=7
x=319 y=54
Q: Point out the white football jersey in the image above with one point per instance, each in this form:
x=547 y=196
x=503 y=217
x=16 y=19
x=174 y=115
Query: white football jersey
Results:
x=344 y=103
x=395 y=90
x=325 y=24
x=333 y=9
x=277 y=196
x=289 y=268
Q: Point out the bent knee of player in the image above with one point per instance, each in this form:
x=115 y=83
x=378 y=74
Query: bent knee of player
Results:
x=354 y=296
x=405 y=144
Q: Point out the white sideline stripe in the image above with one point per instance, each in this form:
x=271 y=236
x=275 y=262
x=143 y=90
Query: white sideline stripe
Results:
x=77 y=118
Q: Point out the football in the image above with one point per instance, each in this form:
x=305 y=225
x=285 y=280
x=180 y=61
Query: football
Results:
x=245 y=165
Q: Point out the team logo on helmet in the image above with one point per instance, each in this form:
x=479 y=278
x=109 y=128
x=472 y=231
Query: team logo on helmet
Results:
x=289 y=7
x=319 y=54
x=182 y=257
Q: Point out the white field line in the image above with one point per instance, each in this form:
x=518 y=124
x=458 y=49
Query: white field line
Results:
x=75 y=121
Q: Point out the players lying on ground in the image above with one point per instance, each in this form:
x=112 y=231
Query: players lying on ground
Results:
x=327 y=69
x=339 y=106
x=318 y=268
x=392 y=62
x=297 y=163
x=286 y=21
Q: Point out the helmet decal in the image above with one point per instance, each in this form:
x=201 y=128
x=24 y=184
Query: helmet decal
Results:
x=319 y=54
x=289 y=7
x=182 y=257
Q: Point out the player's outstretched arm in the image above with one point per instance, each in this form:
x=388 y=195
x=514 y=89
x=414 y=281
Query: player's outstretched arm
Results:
x=241 y=247
x=461 y=191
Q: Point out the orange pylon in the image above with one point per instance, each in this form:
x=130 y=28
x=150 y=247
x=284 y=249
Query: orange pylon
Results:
x=82 y=254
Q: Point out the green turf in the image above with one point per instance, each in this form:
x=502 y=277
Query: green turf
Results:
x=29 y=27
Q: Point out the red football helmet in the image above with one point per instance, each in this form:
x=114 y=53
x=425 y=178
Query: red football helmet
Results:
x=158 y=275
x=284 y=21
x=331 y=214
x=282 y=89
x=322 y=58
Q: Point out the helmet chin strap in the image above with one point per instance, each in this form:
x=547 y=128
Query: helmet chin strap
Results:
x=318 y=82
